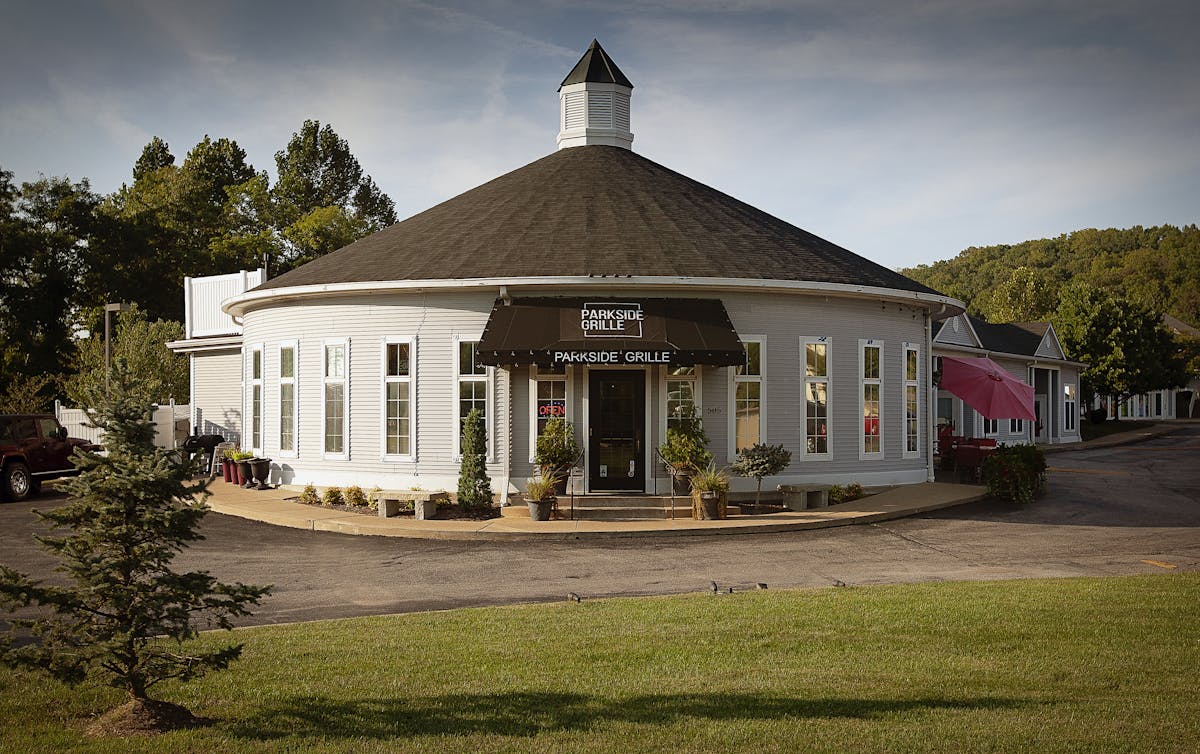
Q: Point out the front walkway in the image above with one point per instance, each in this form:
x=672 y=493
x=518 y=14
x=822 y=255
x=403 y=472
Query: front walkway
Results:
x=270 y=506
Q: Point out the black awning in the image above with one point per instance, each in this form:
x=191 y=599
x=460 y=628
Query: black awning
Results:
x=630 y=330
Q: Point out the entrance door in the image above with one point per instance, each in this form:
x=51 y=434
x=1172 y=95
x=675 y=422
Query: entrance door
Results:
x=617 y=422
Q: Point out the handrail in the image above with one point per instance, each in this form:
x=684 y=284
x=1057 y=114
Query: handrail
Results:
x=674 y=472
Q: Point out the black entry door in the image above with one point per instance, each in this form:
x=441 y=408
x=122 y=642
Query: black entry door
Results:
x=617 y=421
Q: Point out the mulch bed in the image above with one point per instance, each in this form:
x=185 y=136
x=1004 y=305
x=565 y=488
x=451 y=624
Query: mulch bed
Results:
x=445 y=511
x=144 y=717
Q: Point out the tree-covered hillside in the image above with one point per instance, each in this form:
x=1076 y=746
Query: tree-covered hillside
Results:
x=1157 y=267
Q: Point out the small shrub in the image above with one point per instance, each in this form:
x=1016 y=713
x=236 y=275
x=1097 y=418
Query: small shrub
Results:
x=309 y=495
x=373 y=498
x=854 y=491
x=356 y=497
x=540 y=487
x=332 y=496
x=837 y=494
x=474 y=485
x=760 y=461
x=1016 y=472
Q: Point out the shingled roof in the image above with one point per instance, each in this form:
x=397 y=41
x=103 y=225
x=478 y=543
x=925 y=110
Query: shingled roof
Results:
x=1010 y=337
x=594 y=210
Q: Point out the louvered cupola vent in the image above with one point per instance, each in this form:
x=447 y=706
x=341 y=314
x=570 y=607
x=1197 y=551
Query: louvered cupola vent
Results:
x=594 y=103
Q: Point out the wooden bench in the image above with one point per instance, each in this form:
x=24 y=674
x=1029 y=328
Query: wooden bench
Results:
x=799 y=497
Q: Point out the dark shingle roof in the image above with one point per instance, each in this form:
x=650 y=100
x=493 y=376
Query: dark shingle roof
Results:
x=593 y=210
x=597 y=67
x=1010 y=337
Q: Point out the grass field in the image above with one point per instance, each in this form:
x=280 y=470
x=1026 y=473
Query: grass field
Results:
x=1103 y=665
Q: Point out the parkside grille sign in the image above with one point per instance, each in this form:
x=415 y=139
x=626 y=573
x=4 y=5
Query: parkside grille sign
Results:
x=615 y=321
x=594 y=330
x=611 y=320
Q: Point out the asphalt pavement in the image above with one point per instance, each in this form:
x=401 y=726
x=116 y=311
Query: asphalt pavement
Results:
x=1109 y=511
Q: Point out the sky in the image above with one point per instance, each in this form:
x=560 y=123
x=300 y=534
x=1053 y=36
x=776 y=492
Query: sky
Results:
x=904 y=130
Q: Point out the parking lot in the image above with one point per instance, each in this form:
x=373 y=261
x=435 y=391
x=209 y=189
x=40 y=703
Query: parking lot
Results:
x=1122 y=510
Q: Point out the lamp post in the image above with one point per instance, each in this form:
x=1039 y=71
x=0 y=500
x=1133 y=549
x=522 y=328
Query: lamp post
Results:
x=108 y=310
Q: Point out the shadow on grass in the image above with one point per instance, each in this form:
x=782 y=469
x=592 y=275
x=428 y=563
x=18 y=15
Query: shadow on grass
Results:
x=529 y=714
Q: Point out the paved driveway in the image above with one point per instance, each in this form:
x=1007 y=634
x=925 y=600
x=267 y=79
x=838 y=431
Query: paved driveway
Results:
x=1130 y=509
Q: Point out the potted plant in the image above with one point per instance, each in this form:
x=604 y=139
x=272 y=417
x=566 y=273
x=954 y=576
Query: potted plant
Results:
x=557 y=452
x=229 y=465
x=685 y=449
x=262 y=471
x=245 y=474
x=710 y=493
x=760 y=461
x=539 y=496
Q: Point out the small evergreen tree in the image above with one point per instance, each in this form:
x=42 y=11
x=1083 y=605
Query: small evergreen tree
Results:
x=760 y=461
x=474 y=485
x=126 y=615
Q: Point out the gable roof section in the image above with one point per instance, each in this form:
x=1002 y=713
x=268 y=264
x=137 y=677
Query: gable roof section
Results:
x=957 y=331
x=594 y=211
x=596 y=67
x=1049 y=347
x=1007 y=337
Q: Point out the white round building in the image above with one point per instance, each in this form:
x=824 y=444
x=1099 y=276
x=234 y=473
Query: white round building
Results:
x=597 y=285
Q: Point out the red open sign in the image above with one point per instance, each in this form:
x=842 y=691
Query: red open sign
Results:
x=552 y=409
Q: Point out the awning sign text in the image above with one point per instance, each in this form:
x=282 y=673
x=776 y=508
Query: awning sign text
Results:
x=611 y=320
x=612 y=357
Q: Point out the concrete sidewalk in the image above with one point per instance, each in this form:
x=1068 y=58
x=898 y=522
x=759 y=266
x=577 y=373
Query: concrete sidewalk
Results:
x=272 y=507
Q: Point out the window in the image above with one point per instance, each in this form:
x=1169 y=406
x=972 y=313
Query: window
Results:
x=1016 y=426
x=912 y=402
x=681 y=395
x=747 y=398
x=255 y=398
x=814 y=372
x=287 y=399
x=399 y=396
x=1070 y=407
x=870 y=358
x=336 y=399
x=548 y=386
x=471 y=382
x=990 y=426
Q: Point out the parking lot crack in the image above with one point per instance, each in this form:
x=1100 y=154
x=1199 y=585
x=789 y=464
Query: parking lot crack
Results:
x=919 y=543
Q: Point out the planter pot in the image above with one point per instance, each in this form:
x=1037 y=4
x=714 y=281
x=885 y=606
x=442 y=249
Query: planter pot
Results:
x=681 y=484
x=262 y=472
x=707 y=506
x=560 y=487
x=227 y=469
x=245 y=474
x=540 y=510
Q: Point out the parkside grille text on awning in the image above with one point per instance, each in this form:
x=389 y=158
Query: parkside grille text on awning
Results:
x=612 y=357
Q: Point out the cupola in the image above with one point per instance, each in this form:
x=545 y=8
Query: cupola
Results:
x=594 y=103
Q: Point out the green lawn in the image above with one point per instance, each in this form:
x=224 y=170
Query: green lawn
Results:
x=1060 y=665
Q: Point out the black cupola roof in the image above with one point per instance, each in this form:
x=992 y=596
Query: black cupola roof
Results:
x=595 y=67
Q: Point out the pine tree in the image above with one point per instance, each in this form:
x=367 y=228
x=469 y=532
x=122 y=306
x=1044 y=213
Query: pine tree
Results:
x=126 y=615
x=474 y=485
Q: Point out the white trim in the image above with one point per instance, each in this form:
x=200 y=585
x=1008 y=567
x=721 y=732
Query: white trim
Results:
x=254 y=423
x=193 y=345
x=238 y=305
x=411 y=381
x=489 y=380
x=192 y=408
x=568 y=392
x=863 y=454
x=826 y=380
x=905 y=384
x=1075 y=414
x=295 y=383
x=731 y=392
x=345 y=381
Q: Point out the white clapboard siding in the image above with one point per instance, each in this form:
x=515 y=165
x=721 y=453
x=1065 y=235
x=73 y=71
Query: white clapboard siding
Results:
x=217 y=394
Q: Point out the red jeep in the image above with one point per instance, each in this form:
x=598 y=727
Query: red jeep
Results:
x=34 y=448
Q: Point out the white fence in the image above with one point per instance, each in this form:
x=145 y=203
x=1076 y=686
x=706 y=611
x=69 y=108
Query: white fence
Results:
x=170 y=424
x=202 y=299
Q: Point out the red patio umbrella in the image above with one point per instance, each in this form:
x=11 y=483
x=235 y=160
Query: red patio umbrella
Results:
x=986 y=387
